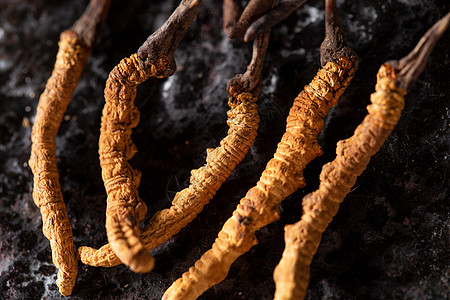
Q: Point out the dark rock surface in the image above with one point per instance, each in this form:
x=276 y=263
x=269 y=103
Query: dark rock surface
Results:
x=390 y=239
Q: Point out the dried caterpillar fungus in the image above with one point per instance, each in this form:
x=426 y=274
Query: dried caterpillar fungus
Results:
x=205 y=181
x=282 y=176
x=124 y=207
x=125 y=210
x=74 y=48
x=47 y=194
x=243 y=122
x=337 y=178
x=353 y=155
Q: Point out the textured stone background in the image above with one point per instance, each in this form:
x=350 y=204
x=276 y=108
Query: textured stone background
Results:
x=390 y=239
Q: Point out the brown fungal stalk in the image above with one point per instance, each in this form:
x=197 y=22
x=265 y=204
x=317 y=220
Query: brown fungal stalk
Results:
x=284 y=172
x=257 y=17
x=232 y=9
x=74 y=48
x=236 y=20
x=125 y=210
x=243 y=121
x=353 y=155
x=277 y=14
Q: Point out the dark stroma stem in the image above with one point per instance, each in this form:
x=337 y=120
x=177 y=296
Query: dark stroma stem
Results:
x=411 y=66
x=161 y=45
x=334 y=45
x=88 y=26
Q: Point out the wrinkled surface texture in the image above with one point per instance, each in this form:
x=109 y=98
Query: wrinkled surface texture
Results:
x=389 y=238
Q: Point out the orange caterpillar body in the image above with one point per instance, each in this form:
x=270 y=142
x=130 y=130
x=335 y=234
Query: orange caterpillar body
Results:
x=70 y=61
x=243 y=121
x=74 y=48
x=125 y=210
x=283 y=175
x=336 y=180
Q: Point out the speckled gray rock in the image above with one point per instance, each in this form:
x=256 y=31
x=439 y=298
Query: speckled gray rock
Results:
x=388 y=241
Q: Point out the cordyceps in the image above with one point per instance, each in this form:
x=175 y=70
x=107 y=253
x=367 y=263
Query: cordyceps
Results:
x=125 y=210
x=74 y=47
x=284 y=173
x=337 y=177
x=220 y=162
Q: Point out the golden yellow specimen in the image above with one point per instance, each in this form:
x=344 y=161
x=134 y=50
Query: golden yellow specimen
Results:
x=336 y=180
x=70 y=61
x=243 y=122
x=353 y=155
x=125 y=210
x=283 y=174
x=74 y=49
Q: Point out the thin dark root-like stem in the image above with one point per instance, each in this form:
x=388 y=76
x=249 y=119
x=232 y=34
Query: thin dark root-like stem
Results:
x=251 y=80
x=90 y=23
x=253 y=10
x=280 y=12
x=334 y=45
x=232 y=9
x=161 y=45
x=254 y=69
x=411 y=66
